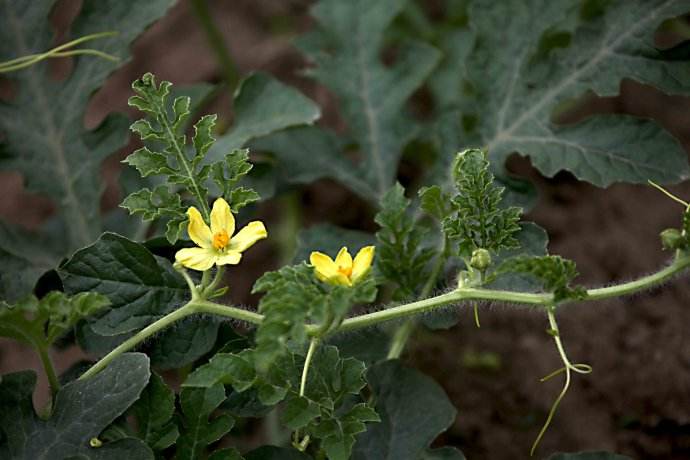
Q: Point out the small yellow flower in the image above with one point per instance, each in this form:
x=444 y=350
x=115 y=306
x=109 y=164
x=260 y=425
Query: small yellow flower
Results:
x=217 y=245
x=343 y=271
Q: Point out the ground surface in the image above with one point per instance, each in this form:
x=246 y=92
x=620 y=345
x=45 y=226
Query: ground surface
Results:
x=637 y=400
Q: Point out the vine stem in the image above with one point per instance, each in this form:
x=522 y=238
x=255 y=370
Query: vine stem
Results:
x=198 y=305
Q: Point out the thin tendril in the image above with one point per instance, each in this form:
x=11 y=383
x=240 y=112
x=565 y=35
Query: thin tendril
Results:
x=476 y=315
x=567 y=368
x=668 y=194
x=58 y=51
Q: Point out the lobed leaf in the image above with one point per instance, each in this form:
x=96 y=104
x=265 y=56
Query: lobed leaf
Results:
x=83 y=409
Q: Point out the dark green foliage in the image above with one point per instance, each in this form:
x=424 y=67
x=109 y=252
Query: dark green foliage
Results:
x=139 y=292
x=39 y=323
x=42 y=134
x=327 y=411
x=82 y=410
x=401 y=256
x=478 y=219
x=198 y=426
x=554 y=272
x=294 y=296
x=153 y=413
x=414 y=410
x=186 y=173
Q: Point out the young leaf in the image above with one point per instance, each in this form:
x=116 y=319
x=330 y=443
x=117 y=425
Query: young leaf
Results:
x=153 y=412
x=41 y=322
x=401 y=256
x=414 y=410
x=165 y=127
x=198 y=428
x=513 y=110
x=478 y=219
x=324 y=411
x=554 y=272
x=82 y=410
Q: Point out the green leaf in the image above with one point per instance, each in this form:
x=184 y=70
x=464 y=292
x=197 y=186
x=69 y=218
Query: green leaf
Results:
x=478 y=219
x=198 y=428
x=435 y=202
x=263 y=105
x=184 y=343
x=533 y=77
x=598 y=455
x=139 y=292
x=82 y=410
x=307 y=153
x=401 y=256
x=554 y=272
x=153 y=412
x=42 y=127
x=345 y=49
x=414 y=410
x=227 y=173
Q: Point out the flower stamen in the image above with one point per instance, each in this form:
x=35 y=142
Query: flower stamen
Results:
x=347 y=271
x=221 y=240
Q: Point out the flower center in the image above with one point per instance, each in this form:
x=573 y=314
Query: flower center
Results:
x=220 y=239
x=347 y=271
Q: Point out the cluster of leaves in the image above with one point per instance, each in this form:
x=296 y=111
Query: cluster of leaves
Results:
x=166 y=126
x=477 y=218
x=39 y=323
x=329 y=410
x=295 y=298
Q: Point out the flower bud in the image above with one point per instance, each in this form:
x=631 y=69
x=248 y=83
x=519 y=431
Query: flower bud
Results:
x=481 y=259
x=671 y=238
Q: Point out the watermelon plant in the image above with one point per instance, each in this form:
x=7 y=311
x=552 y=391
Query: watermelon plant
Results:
x=316 y=370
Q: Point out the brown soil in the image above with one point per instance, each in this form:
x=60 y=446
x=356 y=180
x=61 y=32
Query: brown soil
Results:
x=637 y=400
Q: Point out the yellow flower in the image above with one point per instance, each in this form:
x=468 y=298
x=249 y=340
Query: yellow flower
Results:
x=343 y=270
x=217 y=245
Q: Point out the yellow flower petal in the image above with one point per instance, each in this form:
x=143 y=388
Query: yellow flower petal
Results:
x=324 y=267
x=344 y=260
x=250 y=234
x=362 y=263
x=196 y=258
x=229 y=258
x=197 y=228
x=222 y=218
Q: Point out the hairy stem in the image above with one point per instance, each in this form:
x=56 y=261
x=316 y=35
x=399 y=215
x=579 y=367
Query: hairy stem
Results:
x=197 y=305
x=139 y=337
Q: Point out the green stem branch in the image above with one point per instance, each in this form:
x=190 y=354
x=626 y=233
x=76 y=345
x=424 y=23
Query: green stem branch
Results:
x=197 y=305
x=49 y=369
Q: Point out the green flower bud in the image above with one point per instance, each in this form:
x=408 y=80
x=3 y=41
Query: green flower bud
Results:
x=481 y=259
x=671 y=238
